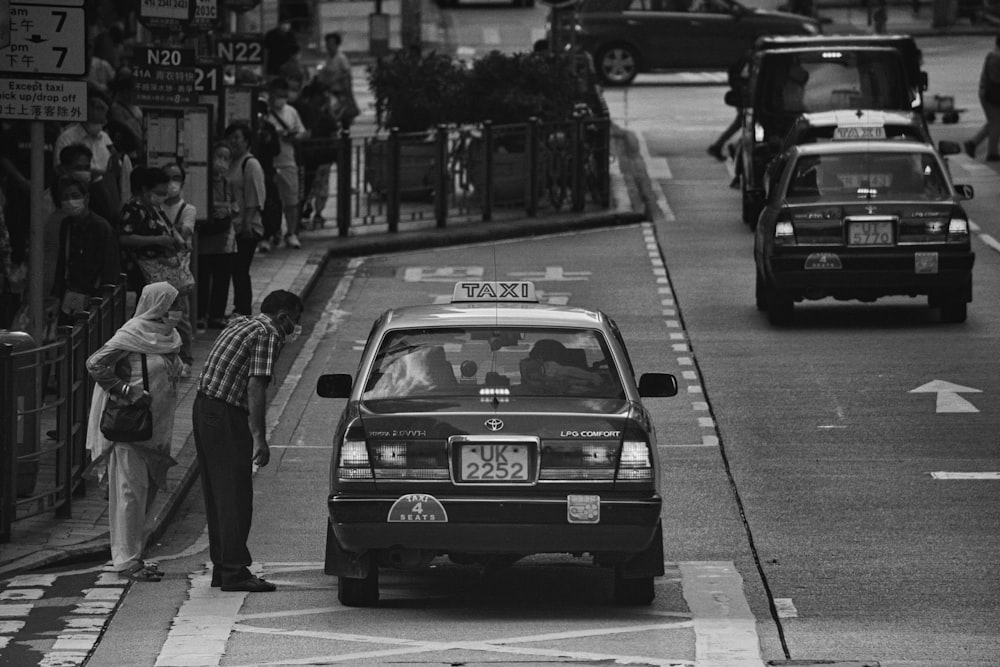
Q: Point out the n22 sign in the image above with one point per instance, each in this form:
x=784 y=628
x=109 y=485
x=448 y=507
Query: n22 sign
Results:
x=241 y=49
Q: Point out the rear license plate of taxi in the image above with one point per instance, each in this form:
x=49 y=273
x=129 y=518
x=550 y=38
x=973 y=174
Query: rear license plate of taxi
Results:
x=583 y=509
x=494 y=463
x=869 y=232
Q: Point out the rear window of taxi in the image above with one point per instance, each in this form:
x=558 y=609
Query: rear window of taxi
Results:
x=495 y=361
x=908 y=176
x=812 y=81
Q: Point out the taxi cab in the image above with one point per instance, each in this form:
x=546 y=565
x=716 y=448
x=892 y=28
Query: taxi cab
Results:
x=492 y=428
x=862 y=220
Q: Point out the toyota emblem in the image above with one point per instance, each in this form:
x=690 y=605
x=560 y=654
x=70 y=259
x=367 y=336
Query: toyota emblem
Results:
x=494 y=424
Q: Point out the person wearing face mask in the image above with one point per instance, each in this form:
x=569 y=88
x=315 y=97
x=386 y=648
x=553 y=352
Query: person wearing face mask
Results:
x=144 y=233
x=217 y=244
x=181 y=215
x=229 y=423
x=139 y=364
x=291 y=131
x=87 y=257
x=247 y=180
x=110 y=170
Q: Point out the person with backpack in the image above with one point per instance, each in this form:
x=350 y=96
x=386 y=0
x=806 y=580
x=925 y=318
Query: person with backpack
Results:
x=247 y=180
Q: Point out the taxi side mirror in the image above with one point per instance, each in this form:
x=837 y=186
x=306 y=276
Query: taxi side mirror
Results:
x=335 y=385
x=965 y=191
x=732 y=98
x=949 y=147
x=657 y=384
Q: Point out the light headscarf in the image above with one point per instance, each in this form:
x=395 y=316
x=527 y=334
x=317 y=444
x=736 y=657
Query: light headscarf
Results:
x=145 y=332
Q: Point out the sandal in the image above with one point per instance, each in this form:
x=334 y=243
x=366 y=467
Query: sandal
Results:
x=141 y=572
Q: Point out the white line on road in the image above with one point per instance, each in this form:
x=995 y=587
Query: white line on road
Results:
x=658 y=170
x=966 y=475
x=785 y=608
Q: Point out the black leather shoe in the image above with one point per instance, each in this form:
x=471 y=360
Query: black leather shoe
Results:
x=251 y=585
x=216 y=579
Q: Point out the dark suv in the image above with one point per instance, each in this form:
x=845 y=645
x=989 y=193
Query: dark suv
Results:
x=629 y=37
x=789 y=76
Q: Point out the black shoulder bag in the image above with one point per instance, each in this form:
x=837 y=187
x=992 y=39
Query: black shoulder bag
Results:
x=125 y=422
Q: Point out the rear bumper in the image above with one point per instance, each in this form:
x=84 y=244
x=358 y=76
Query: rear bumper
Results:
x=871 y=274
x=494 y=526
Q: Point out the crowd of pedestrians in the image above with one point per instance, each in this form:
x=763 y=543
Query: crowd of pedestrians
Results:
x=107 y=211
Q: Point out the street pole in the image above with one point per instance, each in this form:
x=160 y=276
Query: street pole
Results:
x=36 y=233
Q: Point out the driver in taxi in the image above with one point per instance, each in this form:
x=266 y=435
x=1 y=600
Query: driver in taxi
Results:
x=549 y=369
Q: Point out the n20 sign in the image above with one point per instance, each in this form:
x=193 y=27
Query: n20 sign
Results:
x=240 y=49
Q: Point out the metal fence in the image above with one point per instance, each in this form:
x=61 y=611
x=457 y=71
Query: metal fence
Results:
x=483 y=172
x=45 y=394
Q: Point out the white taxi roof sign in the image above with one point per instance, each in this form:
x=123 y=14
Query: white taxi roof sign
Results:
x=494 y=291
x=858 y=132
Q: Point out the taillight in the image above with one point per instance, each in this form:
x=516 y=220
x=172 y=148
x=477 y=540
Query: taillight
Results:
x=758 y=132
x=353 y=463
x=958 y=229
x=636 y=463
x=784 y=230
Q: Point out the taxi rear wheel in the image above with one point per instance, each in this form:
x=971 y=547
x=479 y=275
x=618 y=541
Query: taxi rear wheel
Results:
x=359 y=592
x=780 y=306
x=634 y=591
x=760 y=293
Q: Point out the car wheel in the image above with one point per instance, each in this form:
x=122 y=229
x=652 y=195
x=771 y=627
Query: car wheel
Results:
x=637 y=591
x=359 y=592
x=954 y=312
x=617 y=65
x=780 y=306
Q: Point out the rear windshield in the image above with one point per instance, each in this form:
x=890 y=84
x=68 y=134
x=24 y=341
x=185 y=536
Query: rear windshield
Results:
x=909 y=176
x=486 y=362
x=807 y=82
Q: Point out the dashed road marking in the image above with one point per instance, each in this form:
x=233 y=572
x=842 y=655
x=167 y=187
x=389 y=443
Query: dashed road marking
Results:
x=966 y=475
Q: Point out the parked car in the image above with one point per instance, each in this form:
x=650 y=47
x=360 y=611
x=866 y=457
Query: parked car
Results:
x=862 y=220
x=789 y=76
x=629 y=37
x=492 y=428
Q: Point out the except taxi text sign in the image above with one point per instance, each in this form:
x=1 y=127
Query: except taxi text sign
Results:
x=46 y=40
x=45 y=99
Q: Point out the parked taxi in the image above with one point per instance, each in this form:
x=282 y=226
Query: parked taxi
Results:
x=862 y=220
x=492 y=428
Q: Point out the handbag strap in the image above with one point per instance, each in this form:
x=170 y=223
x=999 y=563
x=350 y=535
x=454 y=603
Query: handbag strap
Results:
x=145 y=374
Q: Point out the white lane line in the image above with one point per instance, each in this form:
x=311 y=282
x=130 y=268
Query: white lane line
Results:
x=725 y=628
x=785 y=608
x=657 y=169
x=966 y=475
x=201 y=628
x=990 y=241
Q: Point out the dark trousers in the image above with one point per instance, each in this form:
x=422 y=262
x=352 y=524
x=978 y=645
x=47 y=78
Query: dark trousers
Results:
x=225 y=447
x=240 y=262
x=214 y=274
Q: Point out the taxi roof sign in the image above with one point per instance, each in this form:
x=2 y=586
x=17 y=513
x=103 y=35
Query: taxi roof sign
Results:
x=858 y=132
x=494 y=291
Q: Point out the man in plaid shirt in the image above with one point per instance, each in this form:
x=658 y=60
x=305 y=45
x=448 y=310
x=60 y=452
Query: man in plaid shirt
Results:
x=229 y=416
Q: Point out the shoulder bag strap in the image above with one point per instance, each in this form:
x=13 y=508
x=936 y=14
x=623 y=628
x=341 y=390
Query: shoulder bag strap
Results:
x=145 y=374
x=177 y=218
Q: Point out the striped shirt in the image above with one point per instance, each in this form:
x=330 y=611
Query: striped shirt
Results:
x=247 y=348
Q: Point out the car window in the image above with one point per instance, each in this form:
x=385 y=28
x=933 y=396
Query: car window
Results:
x=492 y=361
x=709 y=7
x=912 y=176
x=808 y=82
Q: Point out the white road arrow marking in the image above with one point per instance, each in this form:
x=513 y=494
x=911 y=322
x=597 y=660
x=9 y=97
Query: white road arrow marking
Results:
x=948 y=399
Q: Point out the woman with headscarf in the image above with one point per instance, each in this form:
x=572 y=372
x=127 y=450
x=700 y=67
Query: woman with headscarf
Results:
x=132 y=471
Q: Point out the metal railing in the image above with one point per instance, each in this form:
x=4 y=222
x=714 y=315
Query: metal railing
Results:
x=468 y=173
x=45 y=394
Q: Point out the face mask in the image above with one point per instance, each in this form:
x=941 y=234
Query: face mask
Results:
x=279 y=103
x=172 y=318
x=82 y=175
x=290 y=336
x=74 y=207
x=93 y=129
x=221 y=165
x=174 y=188
x=296 y=332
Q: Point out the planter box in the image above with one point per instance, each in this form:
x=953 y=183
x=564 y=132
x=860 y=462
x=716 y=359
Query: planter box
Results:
x=417 y=167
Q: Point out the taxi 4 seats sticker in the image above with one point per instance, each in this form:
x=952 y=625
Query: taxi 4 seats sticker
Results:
x=417 y=507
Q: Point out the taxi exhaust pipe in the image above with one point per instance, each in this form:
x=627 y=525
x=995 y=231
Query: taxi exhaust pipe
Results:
x=402 y=558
